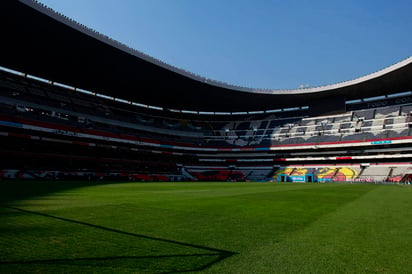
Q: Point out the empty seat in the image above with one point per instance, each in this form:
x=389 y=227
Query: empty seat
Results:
x=387 y=112
x=367 y=114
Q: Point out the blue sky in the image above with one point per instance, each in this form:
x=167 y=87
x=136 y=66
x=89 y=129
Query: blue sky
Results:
x=274 y=44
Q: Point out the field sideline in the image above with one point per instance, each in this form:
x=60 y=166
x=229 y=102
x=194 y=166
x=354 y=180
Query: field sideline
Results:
x=74 y=227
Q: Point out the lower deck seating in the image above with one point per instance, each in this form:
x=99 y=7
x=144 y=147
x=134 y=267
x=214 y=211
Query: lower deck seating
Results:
x=343 y=173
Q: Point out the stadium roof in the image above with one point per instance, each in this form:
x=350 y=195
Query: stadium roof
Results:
x=38 y=41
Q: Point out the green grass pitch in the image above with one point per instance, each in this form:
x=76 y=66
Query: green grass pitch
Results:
x=74 y=227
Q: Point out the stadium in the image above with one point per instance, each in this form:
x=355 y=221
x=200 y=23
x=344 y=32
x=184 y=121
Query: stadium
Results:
x=112 y=116
x=78 y=106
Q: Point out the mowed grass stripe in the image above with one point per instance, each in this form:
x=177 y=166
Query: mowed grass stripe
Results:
x=371 y=234
x=215 y=221
x=237 y=211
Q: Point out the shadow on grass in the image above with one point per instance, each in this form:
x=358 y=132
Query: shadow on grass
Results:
x=13 y=190
x=165 y=263
x=173 y=263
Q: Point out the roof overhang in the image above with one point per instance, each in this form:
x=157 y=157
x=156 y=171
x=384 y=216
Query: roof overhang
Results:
x=41 y=42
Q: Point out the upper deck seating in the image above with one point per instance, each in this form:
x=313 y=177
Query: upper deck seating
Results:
x=386 y=122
